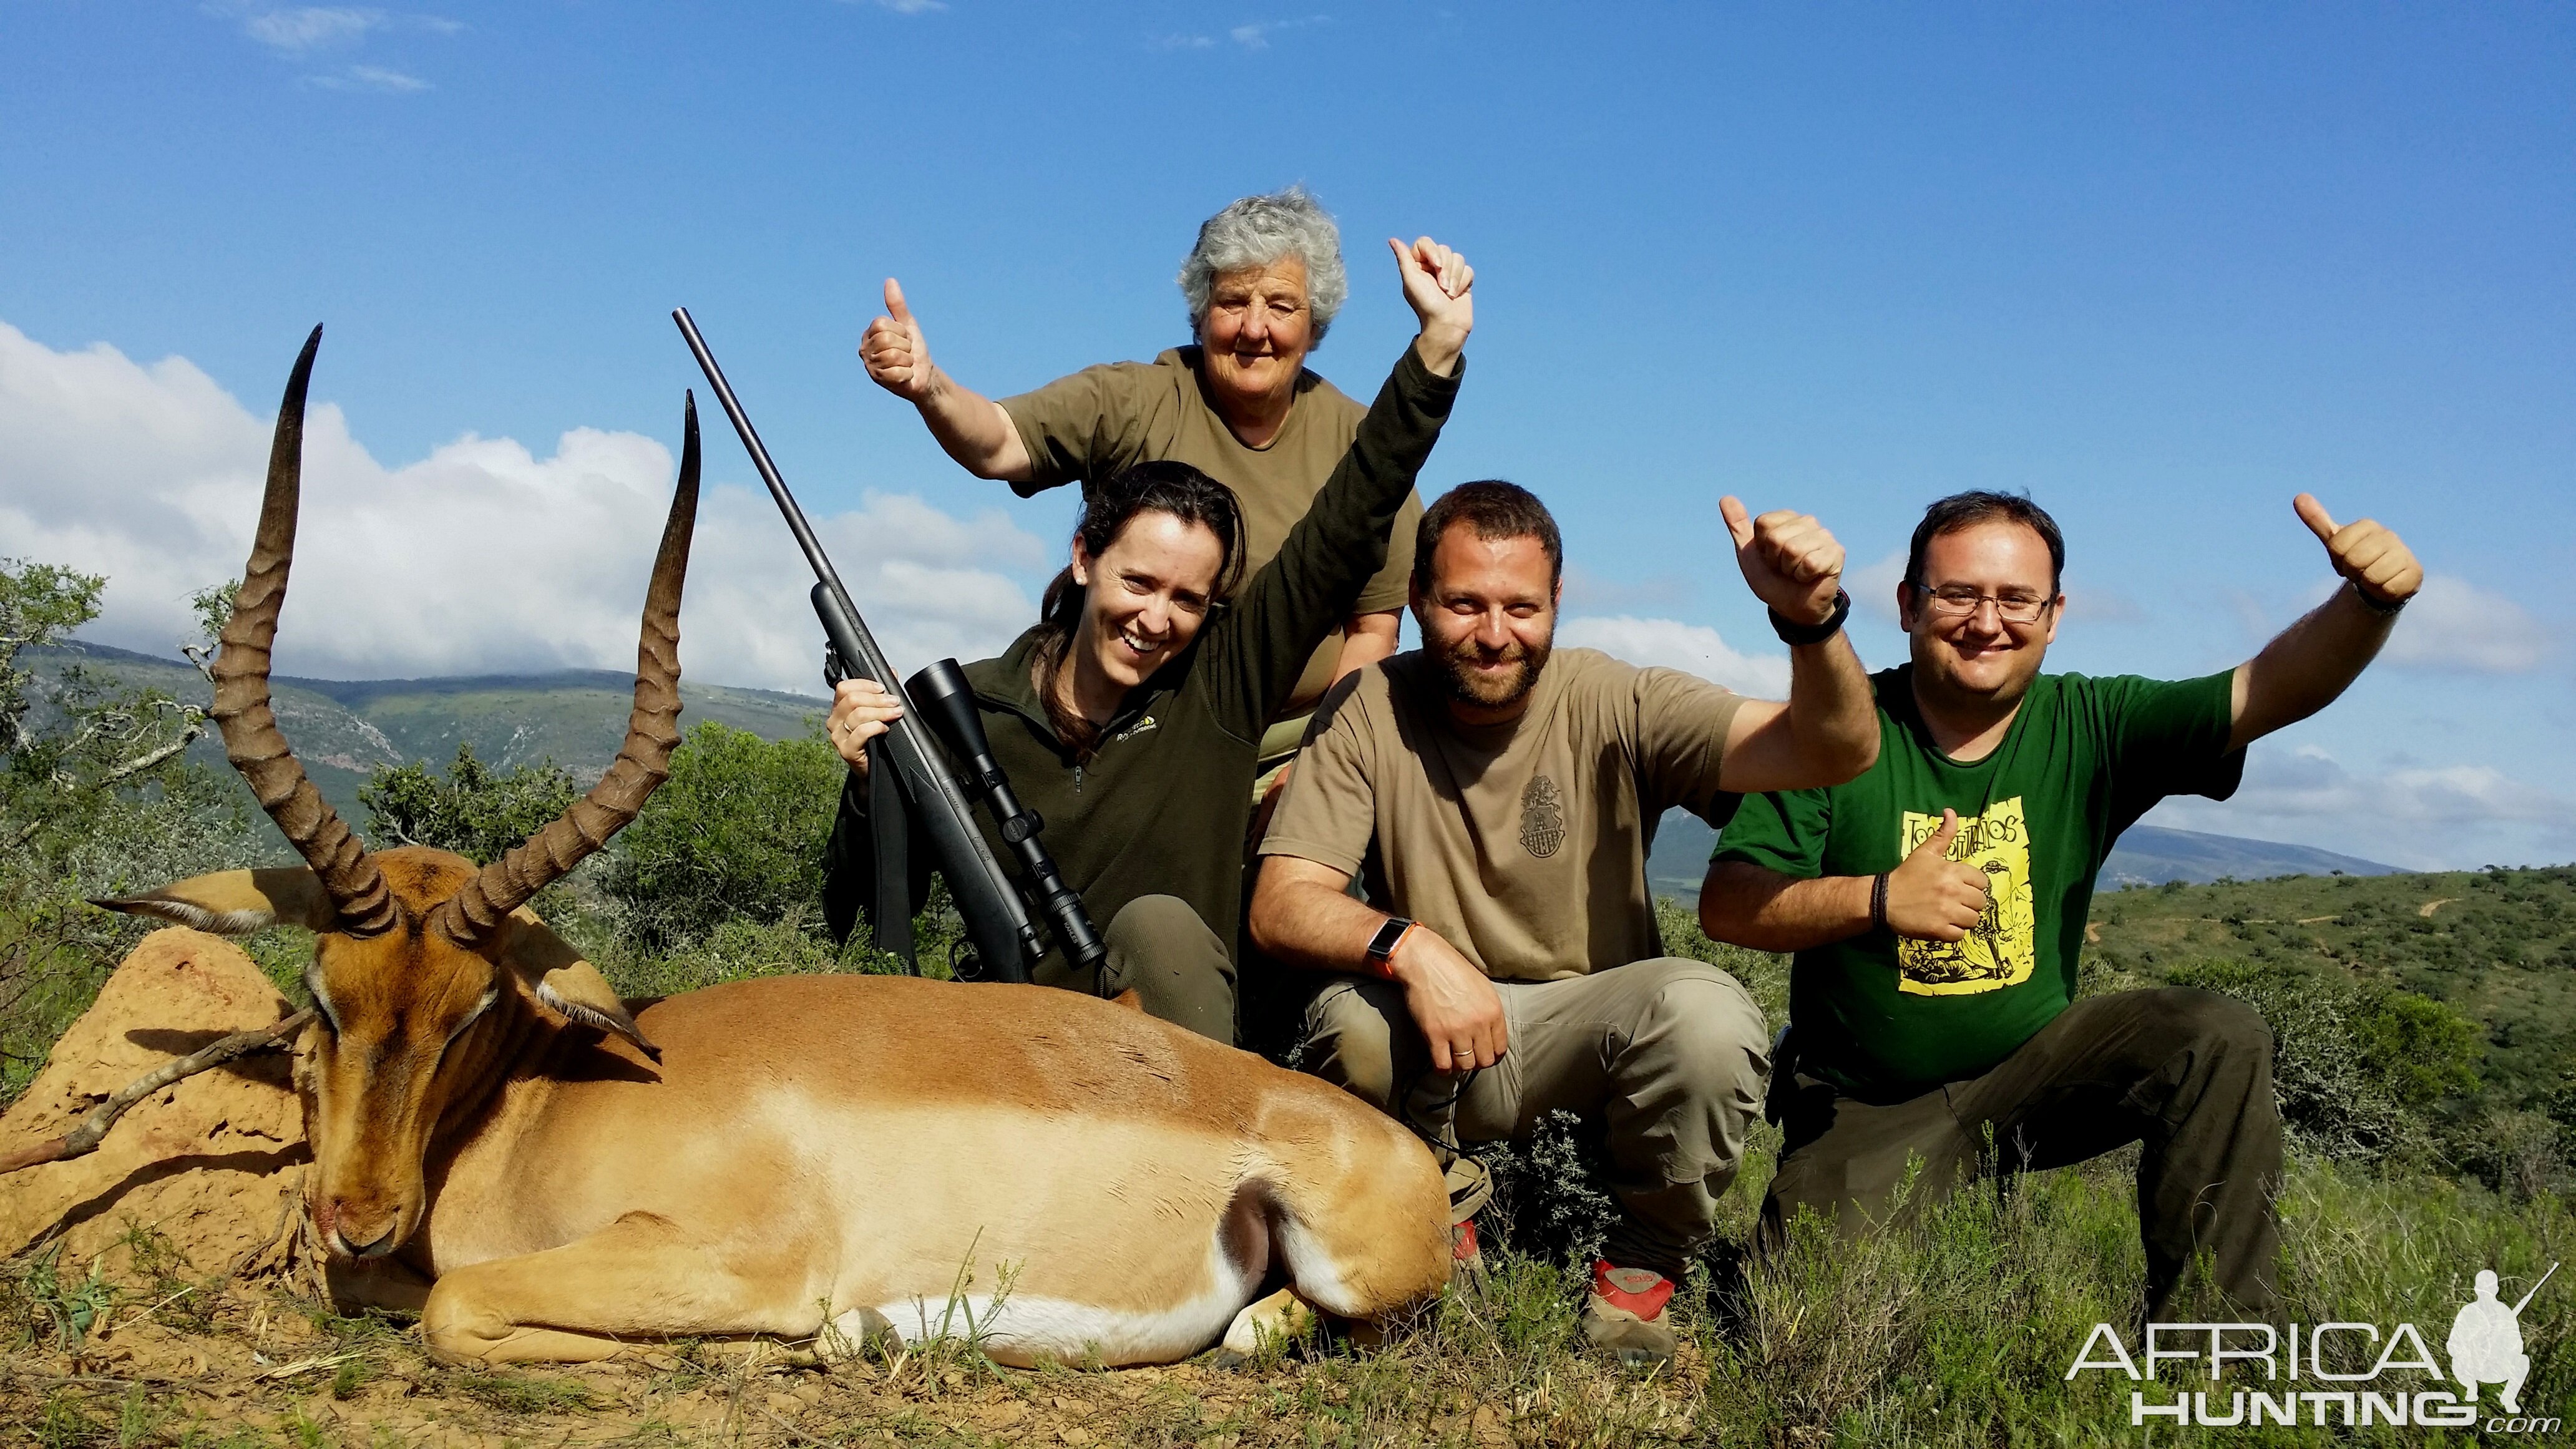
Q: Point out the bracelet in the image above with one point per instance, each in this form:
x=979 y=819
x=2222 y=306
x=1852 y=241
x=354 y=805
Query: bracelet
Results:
x=2384 y=608
x=1878 y=902
x=1794 y=634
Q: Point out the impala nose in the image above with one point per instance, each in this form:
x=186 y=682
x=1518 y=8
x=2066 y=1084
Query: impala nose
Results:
x=352 y=1234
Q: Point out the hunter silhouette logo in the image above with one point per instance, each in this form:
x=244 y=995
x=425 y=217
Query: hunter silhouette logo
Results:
x=1542 y=817
x=2328 y=1375
x=2486 y=1342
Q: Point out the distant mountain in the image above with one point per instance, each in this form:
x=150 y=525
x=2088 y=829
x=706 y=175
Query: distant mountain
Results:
x=343 y=729
x=2146 y=855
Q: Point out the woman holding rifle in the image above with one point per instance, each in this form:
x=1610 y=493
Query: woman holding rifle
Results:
x=1130 y=717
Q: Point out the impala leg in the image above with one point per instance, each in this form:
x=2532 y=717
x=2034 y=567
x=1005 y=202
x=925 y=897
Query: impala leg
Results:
x=1281 y=1316
x=633 y=1282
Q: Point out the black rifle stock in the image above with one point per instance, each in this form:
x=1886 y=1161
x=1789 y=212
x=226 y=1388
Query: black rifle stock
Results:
x=1005 y=941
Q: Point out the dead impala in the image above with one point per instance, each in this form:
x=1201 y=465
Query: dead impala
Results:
x=775 y=1156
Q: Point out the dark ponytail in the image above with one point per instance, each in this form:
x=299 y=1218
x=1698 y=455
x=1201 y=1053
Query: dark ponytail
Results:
x=1157 y=487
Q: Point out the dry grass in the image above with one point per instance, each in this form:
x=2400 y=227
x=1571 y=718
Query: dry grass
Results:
x=1957 y=1333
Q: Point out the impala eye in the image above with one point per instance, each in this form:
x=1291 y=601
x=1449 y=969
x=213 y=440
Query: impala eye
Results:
x=490 y=994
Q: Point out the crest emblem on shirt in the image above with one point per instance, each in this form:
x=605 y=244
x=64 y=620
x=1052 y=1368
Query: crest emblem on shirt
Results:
x=1542 y=817
x=2002 y=947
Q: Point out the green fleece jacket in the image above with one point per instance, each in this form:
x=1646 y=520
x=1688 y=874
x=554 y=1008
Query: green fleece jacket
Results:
x=1162 y=807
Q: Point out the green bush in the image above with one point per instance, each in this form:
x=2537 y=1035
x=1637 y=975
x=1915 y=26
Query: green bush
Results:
x=2355 y=1064
x=737 y=832
x=96 y=798
x=476 y=811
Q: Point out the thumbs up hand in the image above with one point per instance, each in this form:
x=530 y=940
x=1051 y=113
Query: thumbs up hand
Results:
x=1932 y=897
x=1790 y=562
x=2377 y=562
x=896 y=353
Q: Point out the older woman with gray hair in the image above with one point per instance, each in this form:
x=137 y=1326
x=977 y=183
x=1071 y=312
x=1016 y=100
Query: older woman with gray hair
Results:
x=1263 y=285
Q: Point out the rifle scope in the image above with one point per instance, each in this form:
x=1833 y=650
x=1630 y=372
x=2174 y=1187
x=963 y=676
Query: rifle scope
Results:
x=948 y=702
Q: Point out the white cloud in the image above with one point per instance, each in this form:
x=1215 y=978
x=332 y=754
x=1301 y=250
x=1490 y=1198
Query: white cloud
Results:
x=1257 y=36
x=297 y=30
x=1183 y=42
x=1691 y=648
x=481 y=557
x=2430 y=816
x=370 y=78
x=2454 y=625
x=913 y=7
x=1873 y=587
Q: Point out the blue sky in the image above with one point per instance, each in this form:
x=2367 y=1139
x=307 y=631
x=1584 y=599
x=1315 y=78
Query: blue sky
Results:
x=2161 y=266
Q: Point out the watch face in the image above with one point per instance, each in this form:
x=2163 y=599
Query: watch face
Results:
x=1383 y=943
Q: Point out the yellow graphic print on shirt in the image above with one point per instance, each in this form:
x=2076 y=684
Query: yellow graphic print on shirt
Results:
x=2000 y=949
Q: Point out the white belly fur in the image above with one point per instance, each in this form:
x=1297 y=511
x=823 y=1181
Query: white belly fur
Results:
x=1024 y=1329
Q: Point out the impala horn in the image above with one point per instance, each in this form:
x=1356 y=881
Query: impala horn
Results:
x=472 y=915
x=241 y=708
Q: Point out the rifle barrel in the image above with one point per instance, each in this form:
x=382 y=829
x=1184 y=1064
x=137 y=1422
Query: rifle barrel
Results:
x=786 y=501
x=1005 y=941
x=2535 y=1289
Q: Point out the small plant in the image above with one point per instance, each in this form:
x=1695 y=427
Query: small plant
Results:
x=68 y=1310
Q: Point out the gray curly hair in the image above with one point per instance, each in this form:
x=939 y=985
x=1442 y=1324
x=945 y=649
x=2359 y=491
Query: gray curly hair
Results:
x=1259 y=230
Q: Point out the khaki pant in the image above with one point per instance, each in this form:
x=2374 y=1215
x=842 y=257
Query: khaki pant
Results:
x=1664 y=1057
x=1177 y=967
x=2188 y=1073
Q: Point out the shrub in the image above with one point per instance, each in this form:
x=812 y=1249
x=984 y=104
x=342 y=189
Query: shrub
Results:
x=2353 y=1063
x=736 y=832
x=476 y=811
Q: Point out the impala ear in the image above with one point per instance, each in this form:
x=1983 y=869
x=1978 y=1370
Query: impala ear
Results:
x=237 y=902
x=564 y=982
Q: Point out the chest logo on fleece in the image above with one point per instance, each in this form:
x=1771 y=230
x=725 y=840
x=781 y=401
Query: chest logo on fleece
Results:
x=2001 y=948
x=1542 y=817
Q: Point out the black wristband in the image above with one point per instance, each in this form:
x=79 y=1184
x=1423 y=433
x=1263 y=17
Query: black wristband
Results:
x=2385 y=608
x=1878 y=902
x=1794 y=635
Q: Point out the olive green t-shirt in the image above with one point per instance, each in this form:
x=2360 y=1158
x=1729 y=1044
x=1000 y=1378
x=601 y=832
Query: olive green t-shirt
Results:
x=1523 y=844
x=1886 y=1018
x=1103 y=420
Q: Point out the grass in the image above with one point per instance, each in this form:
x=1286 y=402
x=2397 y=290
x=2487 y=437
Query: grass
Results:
x=1958 y=1332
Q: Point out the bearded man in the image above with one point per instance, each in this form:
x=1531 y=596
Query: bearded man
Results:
x=1499 y=800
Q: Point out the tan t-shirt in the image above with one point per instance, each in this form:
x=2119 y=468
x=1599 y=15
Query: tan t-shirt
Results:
x=1524 y=845
x=1103 y=420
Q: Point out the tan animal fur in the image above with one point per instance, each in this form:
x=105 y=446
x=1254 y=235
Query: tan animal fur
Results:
x=804 y=1156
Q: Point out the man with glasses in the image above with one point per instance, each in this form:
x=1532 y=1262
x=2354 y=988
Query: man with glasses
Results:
x=1937 y=907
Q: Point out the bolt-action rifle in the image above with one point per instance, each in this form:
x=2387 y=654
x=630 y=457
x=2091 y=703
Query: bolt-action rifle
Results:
x=1003 y=938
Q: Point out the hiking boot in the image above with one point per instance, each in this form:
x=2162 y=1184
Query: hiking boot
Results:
x=1625 y=1315
x=1470 y=1188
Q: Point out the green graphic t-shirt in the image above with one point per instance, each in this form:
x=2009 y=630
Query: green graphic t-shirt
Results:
x=1884 y=1018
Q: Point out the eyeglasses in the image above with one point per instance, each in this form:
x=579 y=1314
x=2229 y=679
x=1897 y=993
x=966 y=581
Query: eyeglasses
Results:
x=1958 y=600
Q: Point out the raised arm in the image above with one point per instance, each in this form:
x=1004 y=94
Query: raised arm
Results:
x=2314 y=660
x=972 y=427
x=1262 y=646
x=1827 y=731
x=1929 y=897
